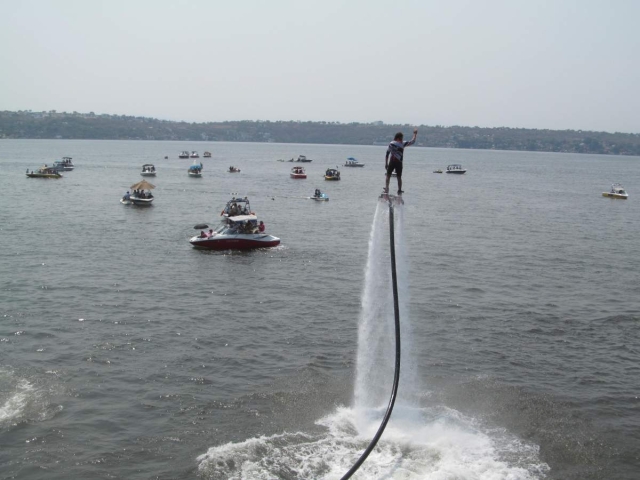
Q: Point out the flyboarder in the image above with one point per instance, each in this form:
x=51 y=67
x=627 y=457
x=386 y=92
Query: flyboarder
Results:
x=395 y=151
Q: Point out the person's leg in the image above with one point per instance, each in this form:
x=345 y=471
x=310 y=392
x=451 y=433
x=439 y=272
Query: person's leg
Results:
x=386 y=187
x=399 y=183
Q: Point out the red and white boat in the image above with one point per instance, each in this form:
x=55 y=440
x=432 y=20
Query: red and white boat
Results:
x=239 y=230
x=298 y=172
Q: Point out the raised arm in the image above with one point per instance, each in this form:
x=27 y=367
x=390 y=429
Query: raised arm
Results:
x=413 y=140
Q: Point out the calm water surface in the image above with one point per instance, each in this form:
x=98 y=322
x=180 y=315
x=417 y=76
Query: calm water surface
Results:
x=125 y=353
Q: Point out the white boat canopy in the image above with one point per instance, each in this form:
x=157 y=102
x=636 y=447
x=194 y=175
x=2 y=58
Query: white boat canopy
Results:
x=242 y=218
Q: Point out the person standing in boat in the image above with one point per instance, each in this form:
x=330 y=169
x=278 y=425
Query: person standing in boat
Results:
x=393 y=158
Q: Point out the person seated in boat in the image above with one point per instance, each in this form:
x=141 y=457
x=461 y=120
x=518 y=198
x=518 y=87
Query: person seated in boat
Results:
x=233 y=211
x=262 y=227
x=127 y=195
x=318 y=193
x=210 y=233
x=202 y=234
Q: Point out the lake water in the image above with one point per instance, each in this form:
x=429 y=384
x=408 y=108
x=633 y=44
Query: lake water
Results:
x=127 y=354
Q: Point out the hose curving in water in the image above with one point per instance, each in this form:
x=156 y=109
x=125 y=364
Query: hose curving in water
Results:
x=396 y=376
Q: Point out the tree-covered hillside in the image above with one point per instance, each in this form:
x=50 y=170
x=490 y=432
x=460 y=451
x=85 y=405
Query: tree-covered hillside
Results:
x=27 y=124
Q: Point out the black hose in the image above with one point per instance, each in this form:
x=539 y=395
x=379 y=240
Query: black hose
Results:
x=396 y=376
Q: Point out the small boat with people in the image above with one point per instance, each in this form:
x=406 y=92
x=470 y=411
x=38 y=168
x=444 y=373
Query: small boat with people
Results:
x=319 y=196
x=140 y=194
x=239 y=230
x=304 y=159
x=206 y=154
x=298 y=173
x=352 y=162
x=44 y=172
x=332 y=174
x=184 y=154
x=617 y=191
x=148 y=170
x=194 y=154
x=65 y=165
x=439 y=170
x=195 y=170
x=456 y=168
x=233 y=169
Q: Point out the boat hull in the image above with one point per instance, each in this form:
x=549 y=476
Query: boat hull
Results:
x=195 y=175
x=298 y=176
x=44 y=175
x=332 y=178
x=354 y=165
x=457 y=172
x=235 y=242
x=148 y=174
x=141 y=202
x=614 y=195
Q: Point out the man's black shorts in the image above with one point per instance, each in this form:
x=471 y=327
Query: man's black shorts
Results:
x=394 y=165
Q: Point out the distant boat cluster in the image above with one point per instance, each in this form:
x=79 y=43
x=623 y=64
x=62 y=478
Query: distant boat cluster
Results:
x=239 y=227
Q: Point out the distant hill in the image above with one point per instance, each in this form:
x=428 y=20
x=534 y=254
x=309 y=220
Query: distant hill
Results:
x=52 y=125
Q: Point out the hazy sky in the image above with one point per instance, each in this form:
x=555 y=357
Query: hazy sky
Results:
x=560 y=64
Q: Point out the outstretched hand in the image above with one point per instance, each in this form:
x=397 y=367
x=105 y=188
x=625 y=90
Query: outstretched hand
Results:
x=415 y=131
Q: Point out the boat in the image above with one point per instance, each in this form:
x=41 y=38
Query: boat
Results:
x=141 y=195
x=617 y=191
x=302 y=158
x=44 y=172
x=239 y=230
x=332 y=174
x=233 y=169
x=206 y=154
x=65 y=165
x=184 y=154
x=319 y=196
x=456 y=168
x=352 y=162
x=194 y=154
x=195 y=170
x=148 y=170
x=438 y=171
x=298 y=172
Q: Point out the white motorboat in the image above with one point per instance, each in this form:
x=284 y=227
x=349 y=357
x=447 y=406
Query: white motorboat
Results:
x=456 y=168
x=352 y=162
x=617 y=191
x=194 y=154
x=148 y=170
x=239 y=230
x=66 y=165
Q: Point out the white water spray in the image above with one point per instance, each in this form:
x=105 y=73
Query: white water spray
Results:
x=376 y=338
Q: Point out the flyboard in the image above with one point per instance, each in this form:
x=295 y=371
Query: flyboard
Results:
x=393 y=201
